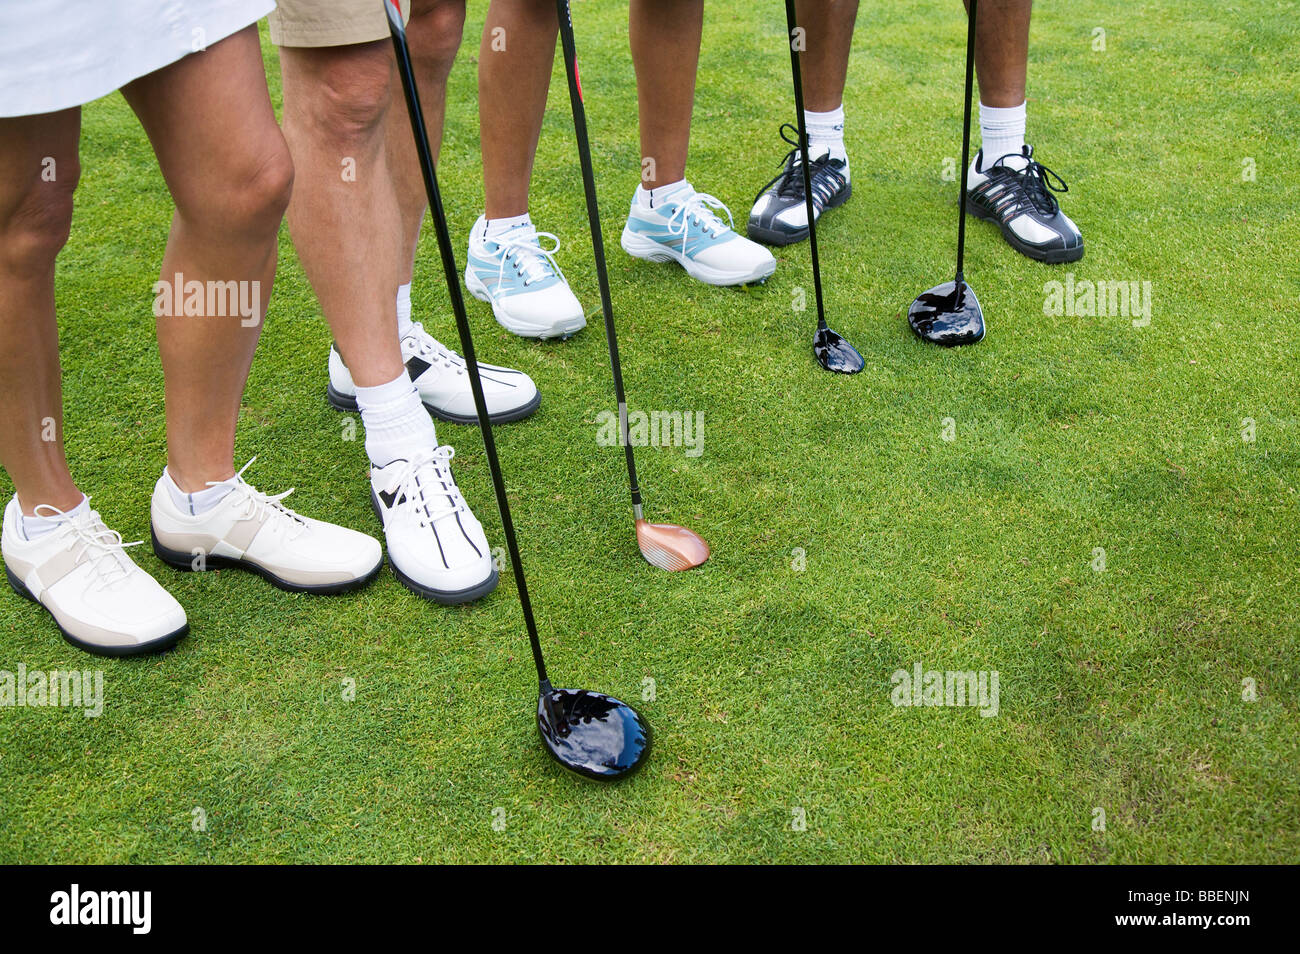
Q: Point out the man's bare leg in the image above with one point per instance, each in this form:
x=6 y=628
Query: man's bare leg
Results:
x=433 y=34
x=1002 y=64
x=824 y=64
x=1023 y=205
x=345 y=215
x=779 y=215
x=1002 y=51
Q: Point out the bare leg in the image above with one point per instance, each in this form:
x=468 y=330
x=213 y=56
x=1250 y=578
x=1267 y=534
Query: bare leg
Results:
x=434 y=34
x=1002 y=51
x=344 y=214
x=512 y=87
x=824 y=64
x=35 y=216
x=665 y=39
x=210 y=121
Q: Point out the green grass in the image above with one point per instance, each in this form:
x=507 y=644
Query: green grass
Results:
x=1120 y=690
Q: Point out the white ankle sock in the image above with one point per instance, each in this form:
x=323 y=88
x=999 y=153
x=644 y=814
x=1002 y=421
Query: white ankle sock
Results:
x=651 y=198
x=397 y=424
x=494 y=227
x=403 y=309
x=826 y=133
x=36 y=527
x=1002 y=131
x=199 y=502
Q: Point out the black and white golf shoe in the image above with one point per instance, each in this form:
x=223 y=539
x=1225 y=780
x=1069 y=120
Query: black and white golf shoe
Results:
x=435 y=543
x=780 y=212
x=442 y=378
x=1021 y=202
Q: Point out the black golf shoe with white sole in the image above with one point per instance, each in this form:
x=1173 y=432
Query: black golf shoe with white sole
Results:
x=442 y=378
x=436 y=545
x=780 y=212
x=1015 y=191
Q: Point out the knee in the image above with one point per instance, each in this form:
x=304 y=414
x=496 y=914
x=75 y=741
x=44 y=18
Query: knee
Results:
x=249 y=198
x=263 y=190
x=351 y=96
x=36 y=221
x=436 y=29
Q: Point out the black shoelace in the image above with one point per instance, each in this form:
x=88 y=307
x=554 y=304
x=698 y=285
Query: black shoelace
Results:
x=1032 y=187
x=789 y=181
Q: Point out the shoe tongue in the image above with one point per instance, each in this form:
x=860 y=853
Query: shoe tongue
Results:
x=1016 y=163
x=678 y=192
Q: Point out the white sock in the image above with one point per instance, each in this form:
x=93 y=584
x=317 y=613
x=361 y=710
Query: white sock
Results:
x=38 y=526
x=651 y=198
x=1002 y=131
x=199 y=502
x=494 y=227
x=403 y=309
x=397 y=424
x=826 y=134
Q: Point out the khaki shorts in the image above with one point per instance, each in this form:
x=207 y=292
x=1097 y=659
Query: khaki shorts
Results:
x=330 y=22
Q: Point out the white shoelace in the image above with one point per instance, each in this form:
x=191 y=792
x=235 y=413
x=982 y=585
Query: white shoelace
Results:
x=699 y=208
x=261 y=506
x=533 y=261
x=414 y=494
x=104 y=546
x=430 y=348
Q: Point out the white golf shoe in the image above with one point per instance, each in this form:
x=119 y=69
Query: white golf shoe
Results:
x=80 y=573
x=256 y=531
x=442 y=379
x=435 y=543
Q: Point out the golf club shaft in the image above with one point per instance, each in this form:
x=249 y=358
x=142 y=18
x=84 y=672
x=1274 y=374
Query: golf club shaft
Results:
x=797 y=77
x=462 y=322
x=565 y=17
x=965 y=139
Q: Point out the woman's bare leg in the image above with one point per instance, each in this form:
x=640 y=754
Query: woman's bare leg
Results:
x=665 y=38
x=512 y=88
x=210 y=120
x=39 y=156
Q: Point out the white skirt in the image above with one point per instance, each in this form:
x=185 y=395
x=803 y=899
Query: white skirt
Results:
x=56 y=54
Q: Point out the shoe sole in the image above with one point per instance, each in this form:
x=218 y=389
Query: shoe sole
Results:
x=185 y=562
x=154 y=646
x=651 y=251
x=343 y=402
x=772 y=237
x=444 y=597
x=1052 y=256
x=562 y=330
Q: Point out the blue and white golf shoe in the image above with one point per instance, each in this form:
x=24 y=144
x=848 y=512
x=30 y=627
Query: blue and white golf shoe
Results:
x=684 y=227
x=522 y=282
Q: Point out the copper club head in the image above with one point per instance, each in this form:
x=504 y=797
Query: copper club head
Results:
x=669 y=546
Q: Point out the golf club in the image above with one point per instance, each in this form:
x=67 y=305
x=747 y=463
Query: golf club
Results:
x=586 y=732
x=950 y=314
x=664 y=545
x=832 y=351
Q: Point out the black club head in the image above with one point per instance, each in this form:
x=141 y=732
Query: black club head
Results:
x=592 y=734
x=948 y=315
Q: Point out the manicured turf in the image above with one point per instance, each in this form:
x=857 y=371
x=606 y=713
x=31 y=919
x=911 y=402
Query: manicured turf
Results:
x=1120 y=690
